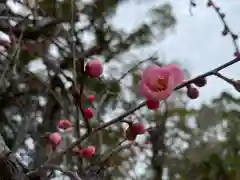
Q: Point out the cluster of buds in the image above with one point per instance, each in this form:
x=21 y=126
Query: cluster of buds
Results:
x=86 y=152
x=88 y=112
x=55 y=138
x=94 y=69
x=226 y=29
x=192 y=92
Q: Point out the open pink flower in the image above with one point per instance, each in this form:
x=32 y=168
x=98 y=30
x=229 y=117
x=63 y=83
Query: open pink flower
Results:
x=157 y=82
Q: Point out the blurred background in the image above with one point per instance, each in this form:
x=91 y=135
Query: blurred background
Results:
x=194 y=139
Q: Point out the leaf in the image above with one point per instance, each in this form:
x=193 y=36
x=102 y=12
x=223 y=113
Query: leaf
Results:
x=48 y=6
x=26 y=58
x=162 y=16
x=207 y=117
x=140 y=36
x=136 y=77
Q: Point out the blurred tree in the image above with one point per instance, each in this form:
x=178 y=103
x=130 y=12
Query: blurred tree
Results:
x=32 y=101
x=206 y=151
x=33 y=97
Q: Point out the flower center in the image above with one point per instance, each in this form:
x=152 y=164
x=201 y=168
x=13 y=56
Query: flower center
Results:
x=161 y=84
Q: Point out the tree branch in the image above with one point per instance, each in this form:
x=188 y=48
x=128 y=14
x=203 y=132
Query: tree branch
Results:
x=3 y=147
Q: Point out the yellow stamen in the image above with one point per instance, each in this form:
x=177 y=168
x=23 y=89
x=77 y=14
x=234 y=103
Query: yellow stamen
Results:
x=161 y=84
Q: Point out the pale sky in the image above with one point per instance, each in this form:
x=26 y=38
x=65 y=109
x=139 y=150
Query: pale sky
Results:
x=196 y=40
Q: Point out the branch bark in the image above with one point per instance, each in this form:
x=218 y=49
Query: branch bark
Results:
x=10 y=169
x=4 y=150
x=157 y=138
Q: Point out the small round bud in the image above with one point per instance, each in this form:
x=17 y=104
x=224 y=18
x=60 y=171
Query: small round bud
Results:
x=54 y=139
x=193 y=4
x=237 y=85
x=91 y=98
x=209 y=3
x=138 y=128
x=88 y=152
x=152 y=105
x=88 y=113
x=200 y=82
x=222 y=15
x=225 y=32
x=192 y=92
x=129 y=135
x=64 y=124
x=237 y=54
x=235 y=37
x=94 y=68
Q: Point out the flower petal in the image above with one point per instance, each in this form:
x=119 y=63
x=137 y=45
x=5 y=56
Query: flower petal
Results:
x=156 y=96
x=151 y=75
x=176 y=72
x=145 y=91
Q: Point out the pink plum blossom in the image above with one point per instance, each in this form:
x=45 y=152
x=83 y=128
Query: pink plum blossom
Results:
x=157 y=82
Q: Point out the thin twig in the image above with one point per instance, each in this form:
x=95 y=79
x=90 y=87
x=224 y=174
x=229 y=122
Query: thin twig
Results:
x=23 y=129
x=192 y=4
x=97 y=117
x=227 y=29
x=58 y=168
x=137 y=65
x=122 y=116
x=230 y=81
x=116 y=148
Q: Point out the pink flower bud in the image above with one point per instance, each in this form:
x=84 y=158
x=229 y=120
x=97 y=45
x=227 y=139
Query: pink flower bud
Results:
x=129 y=134
x=91 y=98
x=88 y=152
x=237 y=54
x=94 y=68
x=55 y=139
x=138 y=128
x=152 y=104
x=64 y=124
x=200 y=82
x=222 y=15
x=210 y=3
x=236 y=85
x=88 y=113
x=192 y=92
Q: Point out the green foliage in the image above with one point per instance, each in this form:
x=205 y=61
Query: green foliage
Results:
x=189 y=150
x=163 y=12
x=49 y=6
